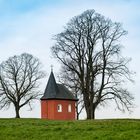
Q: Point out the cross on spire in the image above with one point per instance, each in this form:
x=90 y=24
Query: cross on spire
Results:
x=51 y=68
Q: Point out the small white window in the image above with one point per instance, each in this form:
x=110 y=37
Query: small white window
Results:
x=69 y=108
x=59 y=108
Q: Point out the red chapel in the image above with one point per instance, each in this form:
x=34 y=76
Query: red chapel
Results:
x=57 y=103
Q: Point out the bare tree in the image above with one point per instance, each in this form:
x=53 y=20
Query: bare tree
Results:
x=89 y=49
x=19 y=77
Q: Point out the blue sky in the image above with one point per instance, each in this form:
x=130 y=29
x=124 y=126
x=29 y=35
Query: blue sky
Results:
x=20 y=6
x=29 y=25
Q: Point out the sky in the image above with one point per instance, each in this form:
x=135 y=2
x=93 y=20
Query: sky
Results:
x=29 y=26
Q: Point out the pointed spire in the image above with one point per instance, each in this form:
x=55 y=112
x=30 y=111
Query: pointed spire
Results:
x=51 y=88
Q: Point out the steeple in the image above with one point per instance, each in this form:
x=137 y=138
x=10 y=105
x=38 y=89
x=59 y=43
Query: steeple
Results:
x=51 y=88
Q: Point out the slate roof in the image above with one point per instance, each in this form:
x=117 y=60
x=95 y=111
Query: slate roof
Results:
x=57 y=91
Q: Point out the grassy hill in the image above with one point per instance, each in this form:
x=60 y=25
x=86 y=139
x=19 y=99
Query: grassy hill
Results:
x=37 y=129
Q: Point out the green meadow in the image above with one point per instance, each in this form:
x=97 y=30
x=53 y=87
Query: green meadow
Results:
x=37 y=129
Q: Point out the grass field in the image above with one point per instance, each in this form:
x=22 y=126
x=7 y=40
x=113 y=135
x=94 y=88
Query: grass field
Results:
x=37 y=129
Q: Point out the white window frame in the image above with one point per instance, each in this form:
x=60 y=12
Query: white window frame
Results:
x=69 y=108
x=59 y=108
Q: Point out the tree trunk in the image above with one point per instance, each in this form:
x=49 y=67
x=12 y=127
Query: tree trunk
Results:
x=17 y=111
x=90 y=111
x=77 y=117
x=77 y=114
x=87 y=106
x=93 y=114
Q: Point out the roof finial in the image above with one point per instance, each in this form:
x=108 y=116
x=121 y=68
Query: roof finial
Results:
x=51 y=68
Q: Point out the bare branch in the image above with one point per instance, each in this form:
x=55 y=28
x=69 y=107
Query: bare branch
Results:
x=89 y=51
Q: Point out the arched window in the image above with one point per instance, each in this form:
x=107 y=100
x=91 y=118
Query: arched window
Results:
x=59 y=108
x=69 y=108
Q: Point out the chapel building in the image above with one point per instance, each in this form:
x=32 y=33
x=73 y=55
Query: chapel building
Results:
x=57 y=103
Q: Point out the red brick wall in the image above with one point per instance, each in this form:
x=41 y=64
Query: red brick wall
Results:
x=44 y=112
x=49 y=110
